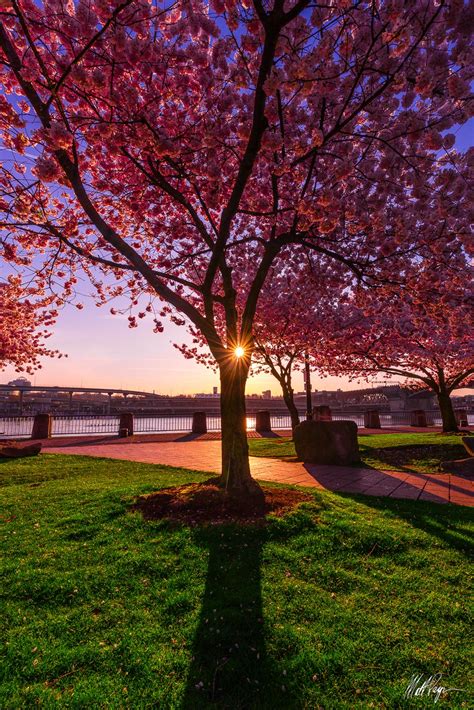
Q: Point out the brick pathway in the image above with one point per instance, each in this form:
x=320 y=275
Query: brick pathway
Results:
x=204 y=455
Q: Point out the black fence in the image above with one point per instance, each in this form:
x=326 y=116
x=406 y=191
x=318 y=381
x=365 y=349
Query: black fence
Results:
x=200 y=422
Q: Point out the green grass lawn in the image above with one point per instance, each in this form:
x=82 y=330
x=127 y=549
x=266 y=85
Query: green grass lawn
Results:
x=420 y=453
x=334 y=606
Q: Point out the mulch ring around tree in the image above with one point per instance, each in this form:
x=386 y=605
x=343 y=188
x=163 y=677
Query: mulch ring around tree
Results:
x=198 y=503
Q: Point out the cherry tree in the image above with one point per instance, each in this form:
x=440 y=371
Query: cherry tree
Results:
x=423 y=333
x=320 y=310
x=295 y=309
x=280 y=346
x=24 y=323
x=172 y=152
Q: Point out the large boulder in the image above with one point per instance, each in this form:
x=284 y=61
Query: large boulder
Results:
x=333 y=443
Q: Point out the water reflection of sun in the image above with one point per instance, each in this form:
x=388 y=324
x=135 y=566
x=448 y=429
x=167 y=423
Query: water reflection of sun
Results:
x=249 y=423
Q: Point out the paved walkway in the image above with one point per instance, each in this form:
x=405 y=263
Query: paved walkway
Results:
x=204 y=455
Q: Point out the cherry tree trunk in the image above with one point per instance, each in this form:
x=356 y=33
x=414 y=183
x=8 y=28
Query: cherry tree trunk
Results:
x=291 y=406
x=235 y=475
x=447 y=411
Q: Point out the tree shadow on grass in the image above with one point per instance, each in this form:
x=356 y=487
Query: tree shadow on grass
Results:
x=230 y=667
x=446 y=522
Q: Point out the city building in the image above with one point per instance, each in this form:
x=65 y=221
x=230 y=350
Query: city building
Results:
x=20 y=382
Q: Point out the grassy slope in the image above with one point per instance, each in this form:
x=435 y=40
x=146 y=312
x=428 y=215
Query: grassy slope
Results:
x=335 y=606
x=411 y=452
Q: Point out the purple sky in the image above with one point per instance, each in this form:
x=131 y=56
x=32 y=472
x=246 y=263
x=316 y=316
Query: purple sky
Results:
x=103 y=351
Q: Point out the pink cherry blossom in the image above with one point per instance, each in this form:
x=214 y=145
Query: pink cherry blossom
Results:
x=194 y=154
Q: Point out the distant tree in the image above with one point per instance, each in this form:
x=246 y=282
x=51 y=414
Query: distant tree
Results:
x=294 y=310
x=177 y=150
x=24 y=323
x=424 y=334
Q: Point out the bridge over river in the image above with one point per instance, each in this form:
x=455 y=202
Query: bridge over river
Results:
x=38 y=397
x=17 y=399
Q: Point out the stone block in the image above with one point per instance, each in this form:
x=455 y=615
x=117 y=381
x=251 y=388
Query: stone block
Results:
x=330 y=443
x=199 y=423
x=42 y=426
x=263 y=421
x=418 y=418
x=372 y=419
x=126 y=423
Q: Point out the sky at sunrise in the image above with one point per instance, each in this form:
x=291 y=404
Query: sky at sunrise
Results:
x=103 y=352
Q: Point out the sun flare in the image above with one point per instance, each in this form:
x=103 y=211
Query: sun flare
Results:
x=239 y=351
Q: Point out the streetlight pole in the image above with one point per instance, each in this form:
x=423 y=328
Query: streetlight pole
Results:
x=307 y=382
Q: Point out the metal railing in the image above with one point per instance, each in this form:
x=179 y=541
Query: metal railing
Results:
x=65 y=425
x=388 y=419
x=89 y=425
x=16 y=426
